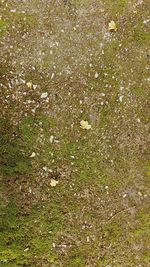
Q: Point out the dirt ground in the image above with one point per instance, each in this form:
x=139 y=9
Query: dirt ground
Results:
x=73 y=197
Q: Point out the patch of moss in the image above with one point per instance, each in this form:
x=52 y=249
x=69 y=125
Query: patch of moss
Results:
x=140 y=36
x=47 y=222
x=9 y=226
x=116 y=7
x=13 y=158
x=3 y=26
x=25 y=237
x=112 y=231
x=77 y=257
x=29 y=130
x=24 y=22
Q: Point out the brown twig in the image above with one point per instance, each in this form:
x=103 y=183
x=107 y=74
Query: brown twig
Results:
x=119 y=212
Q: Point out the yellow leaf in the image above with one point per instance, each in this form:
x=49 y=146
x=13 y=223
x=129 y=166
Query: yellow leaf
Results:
x=112 y=26
x=85 y=125
x=29 y=84
x=53 y=182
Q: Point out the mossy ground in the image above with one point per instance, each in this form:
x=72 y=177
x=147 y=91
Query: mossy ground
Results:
x=98 y=214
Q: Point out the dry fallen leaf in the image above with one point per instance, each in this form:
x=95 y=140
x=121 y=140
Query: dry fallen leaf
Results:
x=53 y=182
x=85 y=125
x=112 y=26
x=29 y=84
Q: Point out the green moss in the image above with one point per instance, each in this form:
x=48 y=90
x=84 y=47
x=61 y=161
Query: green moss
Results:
x=10 y=249
x=26 y=238
x=24 y=21
x=4 y=69
x=112 y=231
x=144 y=221
x=29 y=130
x=3 y=26
x=142 y=229
x=13 y=158
x=116 y=7
x=137 y=34
x=148 y=171
x=140 y=36
x=34 y=232
x=76 y=262
x=77 y=257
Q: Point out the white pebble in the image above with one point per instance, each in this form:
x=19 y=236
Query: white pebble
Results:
x=32 y=155
x=34 y=86
x=45 y=168
x=30 y=190
x=96 y=75
x=26 y=249
x=54 y=245
x=44 y=95
x=52 y=76
x=88 y=239
x=121 y=98
x=102 y=94
x=56 y=141
x=13 y=10
x=51 y=139
x=140 y=194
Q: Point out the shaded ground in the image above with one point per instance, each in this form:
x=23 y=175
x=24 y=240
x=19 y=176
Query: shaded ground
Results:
x=98 y=213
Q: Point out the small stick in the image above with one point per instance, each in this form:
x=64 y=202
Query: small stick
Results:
x=119 y=212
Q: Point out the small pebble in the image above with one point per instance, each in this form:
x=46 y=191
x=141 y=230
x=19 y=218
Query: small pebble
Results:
x=33 y=155
x=96 y=75
x=51 y=139
x=44 y=95
x=45 y=168
x=54 y=245
x=34 y=86
x=26 y=249
x=52 y=76
x=88 y=239
x=121 y=98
